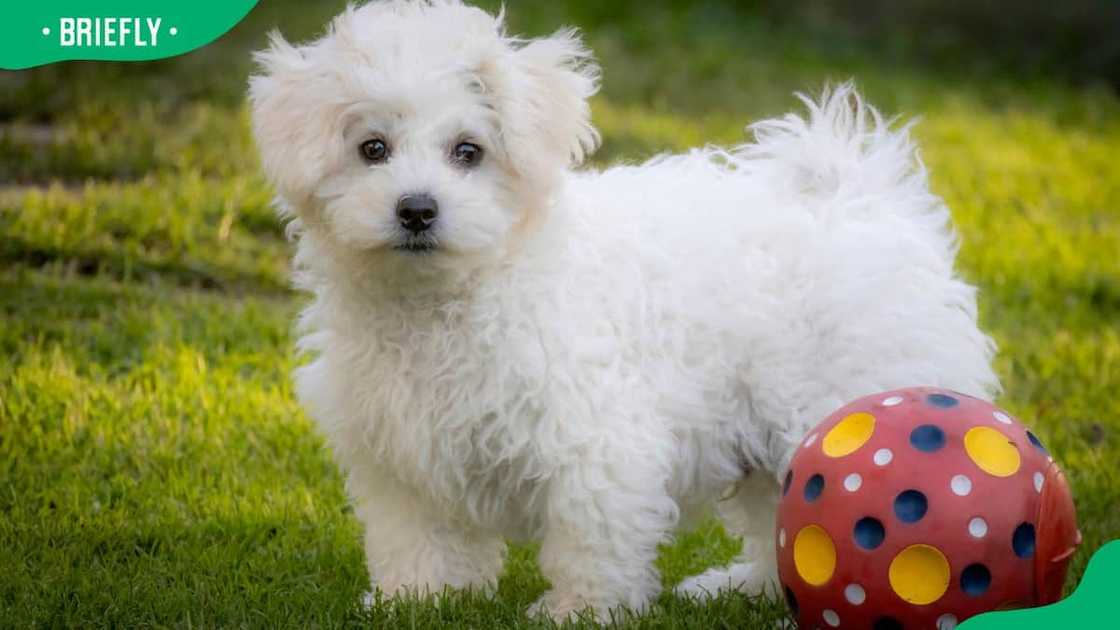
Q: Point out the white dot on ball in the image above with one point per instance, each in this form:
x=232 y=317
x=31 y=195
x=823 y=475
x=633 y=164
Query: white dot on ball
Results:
x=782 y=538
x=831 y=618
x=1038 y=482
x=812 y=438
x=852 y=482
x=946 y=622
x=960 y=485
x=883 y=457
x=855 y=594
x=1002 y=417
x=978 y=527
x=892 y=401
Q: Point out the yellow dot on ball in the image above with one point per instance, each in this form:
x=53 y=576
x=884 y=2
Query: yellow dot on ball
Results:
x=814 y=555
x=919 y=574
x=992 y=451
x=849 y=434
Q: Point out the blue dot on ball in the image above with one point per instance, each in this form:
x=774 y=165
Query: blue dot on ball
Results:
x=786 y=483
x=814 y=487
x=944 y=401
x=1037 y=443
x=975 y=579
x=927 y=438
x=1022 y=541
x=869 y=533
x=910 y=506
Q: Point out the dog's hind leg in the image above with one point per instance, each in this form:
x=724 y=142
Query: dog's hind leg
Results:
x=750 y=512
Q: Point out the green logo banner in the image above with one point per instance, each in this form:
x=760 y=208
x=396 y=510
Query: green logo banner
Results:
x=1092 y=605
x=46 y=31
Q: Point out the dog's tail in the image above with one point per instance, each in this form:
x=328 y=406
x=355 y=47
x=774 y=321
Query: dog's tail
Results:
x=843 y=149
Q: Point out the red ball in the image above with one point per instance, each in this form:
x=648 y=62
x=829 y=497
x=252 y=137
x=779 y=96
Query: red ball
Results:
x=919 y=508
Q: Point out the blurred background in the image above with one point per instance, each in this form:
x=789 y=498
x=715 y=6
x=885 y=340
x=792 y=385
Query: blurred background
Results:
x=739 y=60
x=154 y=467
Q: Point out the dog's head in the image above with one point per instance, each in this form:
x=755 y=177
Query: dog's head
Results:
x=417 y=129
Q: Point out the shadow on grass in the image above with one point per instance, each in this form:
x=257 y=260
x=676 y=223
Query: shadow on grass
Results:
x=74 y=570
x=102 y=326
x=124 y=268
x=285 y=572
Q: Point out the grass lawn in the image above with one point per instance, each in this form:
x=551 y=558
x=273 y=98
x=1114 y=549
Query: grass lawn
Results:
x=154 y=467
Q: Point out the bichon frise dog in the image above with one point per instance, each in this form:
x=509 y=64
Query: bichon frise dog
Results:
x=507 y=348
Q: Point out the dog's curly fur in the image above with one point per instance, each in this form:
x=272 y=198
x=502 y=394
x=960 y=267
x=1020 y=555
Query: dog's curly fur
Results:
x=580 y=357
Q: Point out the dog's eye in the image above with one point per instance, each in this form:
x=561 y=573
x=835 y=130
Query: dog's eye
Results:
x=466 y=154
x=374 y=151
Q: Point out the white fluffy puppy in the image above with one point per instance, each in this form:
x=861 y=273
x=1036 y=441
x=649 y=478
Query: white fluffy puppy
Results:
x=505 y=348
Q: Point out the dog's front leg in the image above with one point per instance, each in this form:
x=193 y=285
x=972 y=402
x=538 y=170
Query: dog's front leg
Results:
x=605 y=521
x=413 y=548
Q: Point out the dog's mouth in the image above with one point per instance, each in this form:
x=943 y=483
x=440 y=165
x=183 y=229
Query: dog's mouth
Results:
x=416 y=246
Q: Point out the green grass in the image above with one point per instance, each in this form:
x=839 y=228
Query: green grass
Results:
x=154 y=467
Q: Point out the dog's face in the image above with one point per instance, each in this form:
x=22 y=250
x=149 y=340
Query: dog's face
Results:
x=418 y=129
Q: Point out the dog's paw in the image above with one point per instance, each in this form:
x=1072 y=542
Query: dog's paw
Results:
x=561 y=607
x=739 y=577
x=697 y=587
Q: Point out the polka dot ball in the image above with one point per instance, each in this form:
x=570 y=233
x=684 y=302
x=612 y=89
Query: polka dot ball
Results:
x=919 y=508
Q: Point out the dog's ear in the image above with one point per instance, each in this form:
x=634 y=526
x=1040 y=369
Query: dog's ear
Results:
x=540 y=90
x=292 y=123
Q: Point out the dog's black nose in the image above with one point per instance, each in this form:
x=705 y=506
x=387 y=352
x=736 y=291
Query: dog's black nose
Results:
x=417 y=212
